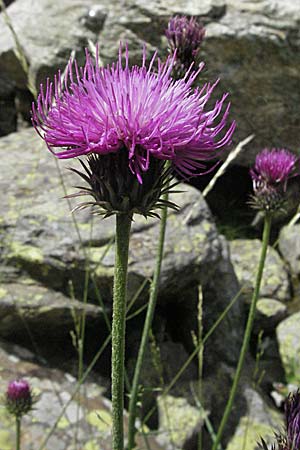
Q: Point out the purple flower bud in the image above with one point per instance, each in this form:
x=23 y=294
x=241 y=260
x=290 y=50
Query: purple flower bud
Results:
x=185 y=36
x=270 y=175
x=18 y=398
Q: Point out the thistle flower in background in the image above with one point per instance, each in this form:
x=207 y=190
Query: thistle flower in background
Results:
x=18 y=398
x=289 y=439
x=270 y=175
x=185 y=36
x=129 y=122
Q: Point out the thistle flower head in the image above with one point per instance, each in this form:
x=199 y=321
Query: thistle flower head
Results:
x=185 y=36
x=18 y=399
x=289 y=439
x=270 y=175
x=292 y=417
x=136 y=113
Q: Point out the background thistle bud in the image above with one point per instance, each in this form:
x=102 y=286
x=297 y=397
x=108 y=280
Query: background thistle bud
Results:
x=18 y=400
x=185 y=36
x=270 y=175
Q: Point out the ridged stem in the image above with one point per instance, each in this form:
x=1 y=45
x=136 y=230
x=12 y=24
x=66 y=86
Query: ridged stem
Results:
x=146 y=329
x=18 y=433
x=248 y=329
x=123 y=224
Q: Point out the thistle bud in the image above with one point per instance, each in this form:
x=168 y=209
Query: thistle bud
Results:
x=185 y=36
x=270 y=175
x=18 y=399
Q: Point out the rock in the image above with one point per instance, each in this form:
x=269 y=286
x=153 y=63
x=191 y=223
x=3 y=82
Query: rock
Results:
x=258 y=421
x=87 y=415
x=48 y=33
x=30 y=311
x=289 y=246
x=38 y=236
x=223 y=287
x=269 y=313
x=8 y=114
x=245 y=254
x=179 y=423
x=288 y=337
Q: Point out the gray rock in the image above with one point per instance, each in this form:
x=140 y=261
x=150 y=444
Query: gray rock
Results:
x=27 y=309
x=269 y=313
x=179 y=422
x=38 y=236
x=289 y=246
x=259 y=420
x=88 y=417
x=245 y=254
x=8 y=114
x=288 y=337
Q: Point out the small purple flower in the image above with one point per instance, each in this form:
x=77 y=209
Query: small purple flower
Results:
x=18 y=398
x=270 y=175
x=185 y=36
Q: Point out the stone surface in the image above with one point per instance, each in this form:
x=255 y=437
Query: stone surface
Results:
x=87 y=416
x=179 y=423
x=259 y=421
x=244 y=40
x=245 y=255
x=269 y=313
x=30 y=309
x=288 y=337
x=38 y=236
x=289 y=246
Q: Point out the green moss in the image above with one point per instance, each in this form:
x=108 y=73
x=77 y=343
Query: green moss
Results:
x=63 y=423
x=101 y=419
x=26 y=252
x=91 y=445
x=248 y=434
x=3 y=292
x=6 y=441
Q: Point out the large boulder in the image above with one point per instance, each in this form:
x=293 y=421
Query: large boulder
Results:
x=31 y=311
x=289 y=246
x=259 y=421
x=245 y=254
x=288 y=337
x=40 y=237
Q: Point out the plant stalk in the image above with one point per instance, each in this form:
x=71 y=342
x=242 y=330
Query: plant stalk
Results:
x=146 y=329
x=247 y=335
x=18 y=433
x=123 y=225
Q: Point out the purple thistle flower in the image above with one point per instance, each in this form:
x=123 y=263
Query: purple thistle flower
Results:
x=289 y=439
x=144 y=113
x=292 y=417
x=19 y=399
x=270 y=175
x=185 y=36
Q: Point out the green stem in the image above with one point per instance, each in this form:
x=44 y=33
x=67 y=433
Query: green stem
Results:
x=251 y=316
x=200 y=359
x=18 y=433
x=146 y=330
x=123 y=224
